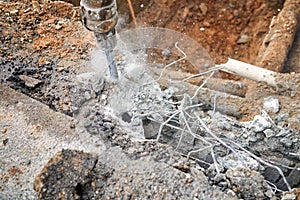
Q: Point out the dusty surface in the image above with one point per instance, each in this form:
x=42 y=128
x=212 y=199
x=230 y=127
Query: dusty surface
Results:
x=43 y=48
x=31 y=129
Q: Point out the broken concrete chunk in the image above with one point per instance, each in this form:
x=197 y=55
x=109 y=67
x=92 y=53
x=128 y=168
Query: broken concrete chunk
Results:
x=271 y=104
x=260 y=124
x=29 y=81
x=254 y=185
x=69 y=174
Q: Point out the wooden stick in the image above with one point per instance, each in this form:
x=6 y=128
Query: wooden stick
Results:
x=132 y=13
x=224 y=103
x=217 y=84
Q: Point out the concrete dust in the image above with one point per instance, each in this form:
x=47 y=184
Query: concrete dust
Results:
x=33 y=134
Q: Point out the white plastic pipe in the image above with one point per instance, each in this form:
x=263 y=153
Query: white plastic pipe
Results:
x=250 y=71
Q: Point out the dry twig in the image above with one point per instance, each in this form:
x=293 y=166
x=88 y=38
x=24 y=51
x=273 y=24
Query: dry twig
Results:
x=132 y=13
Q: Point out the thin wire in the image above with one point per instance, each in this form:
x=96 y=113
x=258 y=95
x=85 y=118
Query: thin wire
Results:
x=168 y=65
x=202 y=85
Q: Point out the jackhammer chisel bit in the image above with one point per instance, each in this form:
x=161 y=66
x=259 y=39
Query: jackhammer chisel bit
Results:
x=101 y=16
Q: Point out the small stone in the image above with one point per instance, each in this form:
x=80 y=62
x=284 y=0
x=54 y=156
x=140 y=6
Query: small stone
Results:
x=203 y=8
x=259 y=136
x=289 y=197
x=72 y=125
x=87 y=95
x=269 y=194
x=269 y=133
x=29 y=81
x=243 y=39
x=225 y=125
x=219 y=177
x=260 y=124
x=3 y=131
x=252 y=138
x=166 y=52
x=108 y=125
x=58 y=27
x=286 y=142
x=126 y=117
x=87 y=124
x=93 y=130
x=277 y=119
x=185 y=12
x=181 y=166
x=206 y=24
x=271 y=104
x=131 y=150
x=60 y=69
x=5 y=141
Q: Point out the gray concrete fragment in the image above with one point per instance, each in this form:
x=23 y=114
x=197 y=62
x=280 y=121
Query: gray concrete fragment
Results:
x=271 y=104
x=33 y=134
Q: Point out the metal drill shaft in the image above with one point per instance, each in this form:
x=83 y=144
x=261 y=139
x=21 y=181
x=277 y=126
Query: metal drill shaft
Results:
x=112 y=65
x=100 y=16
x=107 y=42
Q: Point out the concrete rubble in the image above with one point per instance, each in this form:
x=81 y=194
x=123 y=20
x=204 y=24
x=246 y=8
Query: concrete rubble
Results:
x=35 y=134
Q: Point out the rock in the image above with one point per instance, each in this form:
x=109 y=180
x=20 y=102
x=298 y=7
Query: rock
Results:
x=293 y=177
x=166 y=52
x=260 y=124
x=36 y=6
x=271 y=104
x=238 y=160
x=203 y=8
x=243 y=39
x=269 y=133
x=289 y=197
x=58 y=26
x=29 y=81
x=70 y=174
x=126 y=117
x=286 y=142
x=150 y=128
x=248 y=184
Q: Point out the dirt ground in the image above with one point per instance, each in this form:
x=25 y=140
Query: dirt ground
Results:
x=44 y=45
x=217 y=25
x=226 y=29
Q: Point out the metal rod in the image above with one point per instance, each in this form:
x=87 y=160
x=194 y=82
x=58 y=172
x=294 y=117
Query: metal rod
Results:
x=100 y=16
